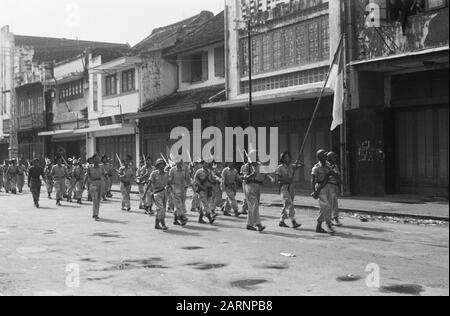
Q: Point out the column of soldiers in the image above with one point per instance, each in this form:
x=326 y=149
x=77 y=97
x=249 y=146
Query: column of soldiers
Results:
x=164 y=185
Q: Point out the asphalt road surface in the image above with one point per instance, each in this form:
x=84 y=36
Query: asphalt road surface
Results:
x=62 y=251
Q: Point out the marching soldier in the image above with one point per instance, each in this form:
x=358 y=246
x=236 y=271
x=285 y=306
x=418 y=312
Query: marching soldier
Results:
x=70 y=182
x=142 y=174
x=88 y=164
x=195 y=206
x=7 y=163
x=321 y=174
x=170 y=199
x=59 y=174
x=217 y=189
x=11 y=174
x=159 y=183
x=179 y=181
x=285 y=175
x=253 y=180
x=21 y=172
x=126 y=177
x=335 y=184
x=104 y=190
x=2 y=174
x=78 y=174
x=245 y=203
x=109 y=170
x=230 y=182
x=35 y=174
x=94 y=175
x=204 y=182
x=49 y=181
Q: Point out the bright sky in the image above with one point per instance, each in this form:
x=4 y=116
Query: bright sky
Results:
x=121 y=21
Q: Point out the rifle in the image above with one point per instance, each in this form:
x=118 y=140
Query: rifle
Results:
x=323 y=184
x=120 y=161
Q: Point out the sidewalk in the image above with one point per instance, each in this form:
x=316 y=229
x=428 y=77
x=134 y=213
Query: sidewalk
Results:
x=395 y=205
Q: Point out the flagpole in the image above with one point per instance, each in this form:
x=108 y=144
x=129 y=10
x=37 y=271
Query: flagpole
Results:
x=345 y=186
x=319 y=101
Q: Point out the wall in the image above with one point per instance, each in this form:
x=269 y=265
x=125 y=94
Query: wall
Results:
x=423 y=31
x=70 y=111
x=296 y=14
x=159 y=77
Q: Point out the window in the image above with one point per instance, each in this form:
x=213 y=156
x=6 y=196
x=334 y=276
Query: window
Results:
x=195 y=68
x=71 y=91
x=111 y=85
x=128 y=80
x=219 y=62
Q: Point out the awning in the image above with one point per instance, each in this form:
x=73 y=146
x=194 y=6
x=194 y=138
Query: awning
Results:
x=179 y=102
x=59 y=132
x=409 y=60
x=312 y=91
x=117 y=64
x=99 y=129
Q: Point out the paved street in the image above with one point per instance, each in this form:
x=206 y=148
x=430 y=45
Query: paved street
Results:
x=124 y=255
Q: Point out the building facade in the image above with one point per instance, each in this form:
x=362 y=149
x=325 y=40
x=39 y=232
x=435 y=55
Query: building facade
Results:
x=178 y=76
x=115 y=92
x=291 y=49
x=398 y=122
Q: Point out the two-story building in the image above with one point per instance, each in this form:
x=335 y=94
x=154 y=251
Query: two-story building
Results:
x=398 y=124
x=115 y=91
x=50 y=82
x=181 y=72
x=291 y=49
x=71 y=95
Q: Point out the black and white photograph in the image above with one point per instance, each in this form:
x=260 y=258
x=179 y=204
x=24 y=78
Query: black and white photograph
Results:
x=224 y=154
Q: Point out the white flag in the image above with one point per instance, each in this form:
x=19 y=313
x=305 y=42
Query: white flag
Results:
x=336 y=83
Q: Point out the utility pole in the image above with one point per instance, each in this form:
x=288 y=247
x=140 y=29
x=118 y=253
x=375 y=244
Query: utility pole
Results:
x=250 y=83
x=13 y=141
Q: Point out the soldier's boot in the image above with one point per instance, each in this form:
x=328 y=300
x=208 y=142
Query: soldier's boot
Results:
x=158 y=225
x=211 y=219
x=330 y=228
x=200 y=219
x=175 y=221
x=261 y=228
x=295 y=224
x=320 y=230
x=338 y=222
x=163 y=225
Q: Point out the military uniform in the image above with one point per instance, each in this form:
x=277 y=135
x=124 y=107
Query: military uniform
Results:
x=159 y=181
x=59 y=175
x=21 y=171
x=245 y=203
x=2 y=172
x=109 y=170
x=334 y=191
x=11 y=175
x=287 y=193
x=204 y=183
x=142 y=174
x=78 y=175
x=49 y=181
x=35 y=183
x=179 y=180
x=321 y=173
x=70 y=184
x=94 y=175
x=230 y=179
x=126 y=177
x=252 y=191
